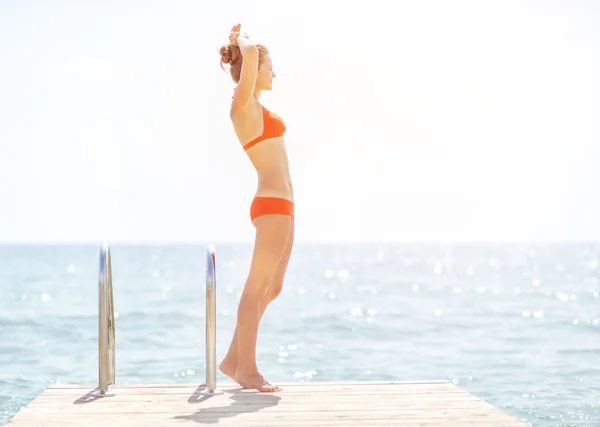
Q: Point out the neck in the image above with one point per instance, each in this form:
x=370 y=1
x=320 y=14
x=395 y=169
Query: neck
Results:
x=257 y=93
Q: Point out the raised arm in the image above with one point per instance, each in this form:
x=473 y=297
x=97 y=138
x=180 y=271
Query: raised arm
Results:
x=245 y=87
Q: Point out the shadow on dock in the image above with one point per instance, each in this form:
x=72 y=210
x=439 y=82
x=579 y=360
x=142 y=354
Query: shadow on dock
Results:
x=238 y=402
x=92 y=396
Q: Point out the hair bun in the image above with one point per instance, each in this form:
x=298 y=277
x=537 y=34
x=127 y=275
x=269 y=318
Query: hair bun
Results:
x=230 y=54
x=226 y=56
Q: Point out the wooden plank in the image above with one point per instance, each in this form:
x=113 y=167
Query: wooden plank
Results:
x=426 y=403
x=302 y=388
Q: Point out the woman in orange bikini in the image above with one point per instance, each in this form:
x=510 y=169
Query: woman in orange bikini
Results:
x=260 y=133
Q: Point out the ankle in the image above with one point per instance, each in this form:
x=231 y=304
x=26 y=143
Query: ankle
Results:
x=246 y=369
x=229 y=360
x=230 y=356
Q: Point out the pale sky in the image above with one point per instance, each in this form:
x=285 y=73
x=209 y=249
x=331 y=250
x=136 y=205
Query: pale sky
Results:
x=407 y=120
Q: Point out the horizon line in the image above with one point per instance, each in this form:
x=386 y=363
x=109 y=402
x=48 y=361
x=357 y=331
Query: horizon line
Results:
x=306 y=242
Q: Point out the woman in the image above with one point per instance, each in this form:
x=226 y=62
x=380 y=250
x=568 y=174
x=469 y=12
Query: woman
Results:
x=260 y=133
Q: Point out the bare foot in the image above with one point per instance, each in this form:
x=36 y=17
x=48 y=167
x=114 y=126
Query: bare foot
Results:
x=228 y=368
x=254 y=380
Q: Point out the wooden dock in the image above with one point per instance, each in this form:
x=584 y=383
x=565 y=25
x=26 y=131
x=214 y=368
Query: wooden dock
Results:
x=365 y=404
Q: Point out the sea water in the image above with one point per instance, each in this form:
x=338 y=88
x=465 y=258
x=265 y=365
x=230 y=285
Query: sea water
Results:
x=515 y=325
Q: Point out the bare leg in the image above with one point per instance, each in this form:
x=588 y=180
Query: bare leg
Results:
x=229 y=364
x=272 y=235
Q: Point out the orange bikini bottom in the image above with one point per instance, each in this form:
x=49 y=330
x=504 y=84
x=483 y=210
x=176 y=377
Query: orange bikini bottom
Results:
x=271 y=205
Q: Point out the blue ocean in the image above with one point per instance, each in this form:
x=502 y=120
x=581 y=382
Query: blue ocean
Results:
x=516 y=325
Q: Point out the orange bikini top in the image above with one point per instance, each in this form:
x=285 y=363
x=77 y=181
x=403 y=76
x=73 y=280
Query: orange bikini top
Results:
x=273 y=127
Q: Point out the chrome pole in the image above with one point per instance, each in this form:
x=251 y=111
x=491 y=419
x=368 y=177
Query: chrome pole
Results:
x=106 y=323
x=211 y=323
x=111 y=324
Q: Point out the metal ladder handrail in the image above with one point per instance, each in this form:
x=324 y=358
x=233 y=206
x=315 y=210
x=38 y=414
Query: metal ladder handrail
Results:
x=211 y=323
x=106 y=323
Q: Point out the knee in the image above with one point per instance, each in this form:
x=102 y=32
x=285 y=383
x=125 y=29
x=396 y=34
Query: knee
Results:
x=256 y=289
x=274 y=290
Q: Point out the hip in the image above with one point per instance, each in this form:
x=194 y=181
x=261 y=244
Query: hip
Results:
x=269 y=205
